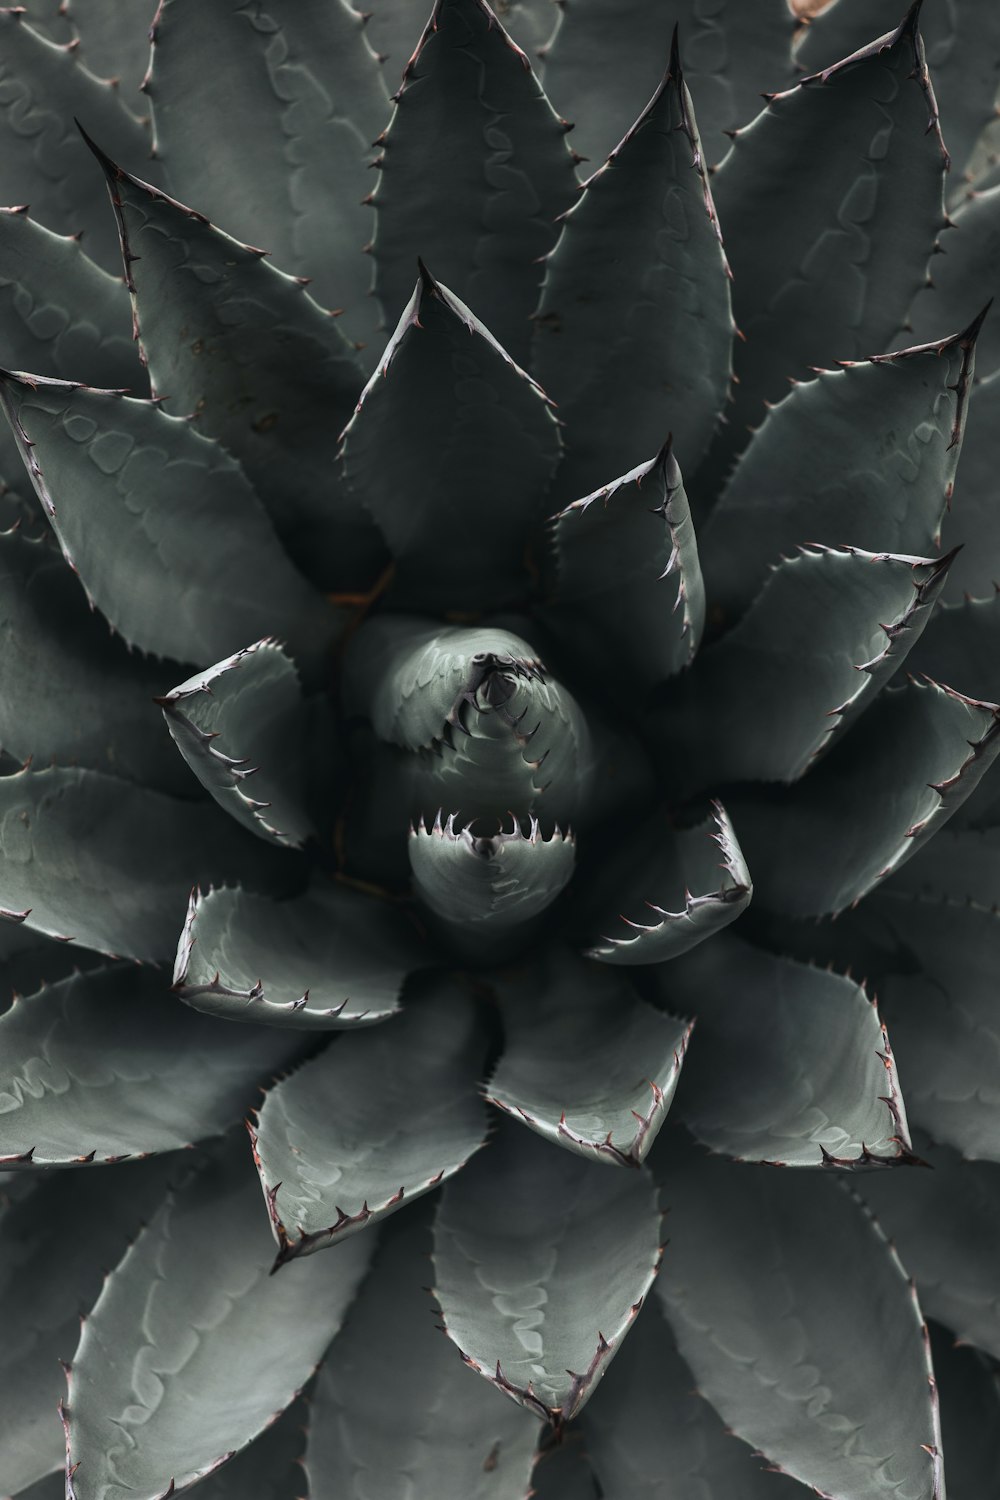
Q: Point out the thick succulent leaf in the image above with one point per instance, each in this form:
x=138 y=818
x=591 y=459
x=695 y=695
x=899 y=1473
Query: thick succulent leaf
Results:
x=541 y=1263
x=962 y=42
x=634 y=326
x=49 y=19
x=94 y=860
x=974 y=519
x=967 y=270
x=474 y=169
x=960 y=863
x=328 y=960
x=152 y=1399
x=391 y=28
x=944 y=1223
x=70 y=691
x=848 y=178
x=270 y=1468
x=563 y=1470
x=45 y=88
x=775 y=1281
x=866 y=454
x=449 y=1435
x=817 y=847
x=970 y=1416
x=168 y=538
x=28 y=961
x=962 y=643
x=372 y=1122
x=628 y=594
x=111 y=47
x=652 y=1436
x=487 y=891
x=246 y=718
x=942 y=1016
x=586 y=1063
x=47 y=1276
x=663 y=891
x=109 y=1064
x=448 y=403
x=609 y=55
x=791 y=1065
x=231 y=339
x=824 y=635
x=303 y=101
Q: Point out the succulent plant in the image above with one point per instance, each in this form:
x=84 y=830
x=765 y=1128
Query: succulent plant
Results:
x=521 y=599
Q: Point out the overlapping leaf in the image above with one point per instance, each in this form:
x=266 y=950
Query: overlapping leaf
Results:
x=447 y=403
x=304 y=99
x=792 y=1064
x=152 y=1396
x=970 y=1416
x=108 y=1064
x=449 y=1434
x=76 y=859
x=245 y=721
x=390 y=28
x=774 y=1281
x=330 y=959
x=565 y=1254
x=365 y=1126
x=474 y=169
x=586 y=1063
x=969 y=262
x=110 y=49
x=167 y=536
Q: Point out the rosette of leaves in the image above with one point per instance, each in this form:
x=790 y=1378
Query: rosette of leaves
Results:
x=461 y=633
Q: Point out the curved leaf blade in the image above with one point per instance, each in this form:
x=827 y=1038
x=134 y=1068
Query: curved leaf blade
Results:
x=970 y=1415
x=634 y=324
x=775 y=1279
x=166 y=534
x=152 y=1401
x=364 y=1127
x=328 y=960
x=470 y=99
x=970 y=261
x=253 y=704
x=791 y=1066
x=76 y=862
x=111 y=50
x=108 y=1064
x=543 y=1338
x=450 y=1435
x=449 y=403
x=866 y=454
x=586 y=1063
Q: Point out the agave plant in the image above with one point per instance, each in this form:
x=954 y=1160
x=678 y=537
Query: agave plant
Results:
x=520 y=598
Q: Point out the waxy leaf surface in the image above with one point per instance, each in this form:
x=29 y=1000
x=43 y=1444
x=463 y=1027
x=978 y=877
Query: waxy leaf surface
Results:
x=967 y=269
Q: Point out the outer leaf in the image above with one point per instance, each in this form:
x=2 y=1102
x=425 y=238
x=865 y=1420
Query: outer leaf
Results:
x=963 y=51
x=449 y=1434
x=652 y=1436
x=775 y=1280
x=111 y=49
x=270 y=1468
x=635 y=327
x=96 y=708
x=364 y=1126
x=448 y=403
x=304 y=99
x=945 y=1224
x=77 y=865
x=964 y=641
x=961 y=864
x=618 y=554
x=733 y=52
x=487 y=891
x=826 y=632
x=846 y=169
x=253 y=704
x=586 y=1064
x=662 y=893
x=152 y=1401
x=915 y=757
x=169 y=539
x=943 y=1017
x=108 y=1064
x=970 y=261
x=30 y=961
x=245 y=348
x=542 y=1262
x=330 y=959
x=45 y=88
x=866 y=454
x=792 y=1064
x=970 y=1416
x=47 y=1276
x=47 y=18
x=973 y=519
x=390 y=28
x=470 y=100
